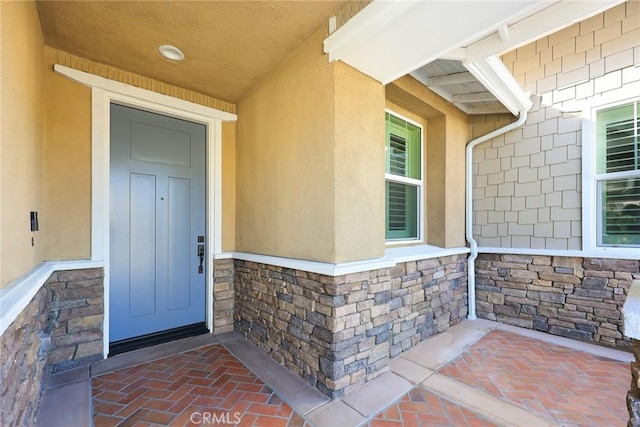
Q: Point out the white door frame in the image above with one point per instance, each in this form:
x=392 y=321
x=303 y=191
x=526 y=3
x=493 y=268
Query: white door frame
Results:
x=104 y=92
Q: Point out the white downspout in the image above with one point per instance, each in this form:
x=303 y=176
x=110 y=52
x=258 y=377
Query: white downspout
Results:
x=471 y=276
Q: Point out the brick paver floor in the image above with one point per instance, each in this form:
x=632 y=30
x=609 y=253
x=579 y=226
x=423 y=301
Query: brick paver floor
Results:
x=422 y=408
x=205 y=386
x=209 y=386
x=556 y=382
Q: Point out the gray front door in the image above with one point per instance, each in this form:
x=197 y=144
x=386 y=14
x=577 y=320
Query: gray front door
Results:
x=157 y=215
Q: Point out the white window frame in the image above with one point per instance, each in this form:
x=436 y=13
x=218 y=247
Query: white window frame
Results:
x=403 y=180
x=591 y=220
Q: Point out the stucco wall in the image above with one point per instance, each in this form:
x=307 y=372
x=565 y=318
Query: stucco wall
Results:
x=228 y=186
x=285 y=131
x=67 y=168
x=359 y=165
x=445 y=142
x=527 y=185
x=303 y=161
x=21 y=133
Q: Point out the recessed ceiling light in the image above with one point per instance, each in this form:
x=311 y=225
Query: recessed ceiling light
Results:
x=171 y=52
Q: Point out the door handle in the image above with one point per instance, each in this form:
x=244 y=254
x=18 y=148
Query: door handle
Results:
x=201 y=255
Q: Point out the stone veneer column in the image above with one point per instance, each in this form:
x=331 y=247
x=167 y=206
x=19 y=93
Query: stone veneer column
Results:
x=223 y=295
x=76 y=315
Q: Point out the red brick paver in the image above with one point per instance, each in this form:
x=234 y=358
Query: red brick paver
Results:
x=205 y=386
x=208 y=386
x=425 y=409
x=556 y=382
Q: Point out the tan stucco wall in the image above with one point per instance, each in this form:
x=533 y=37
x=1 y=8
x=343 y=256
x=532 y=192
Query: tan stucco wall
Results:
x=21 y=138
x=436 y=181
x=359 y=165
x=457 y=135
x=228 y=186
x=447 y=135
x=285 y=131
x=310 y=169
x=67 y=169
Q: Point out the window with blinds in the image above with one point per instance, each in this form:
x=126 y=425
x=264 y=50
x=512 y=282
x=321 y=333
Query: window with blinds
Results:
x=403 y=179
x=618 y=175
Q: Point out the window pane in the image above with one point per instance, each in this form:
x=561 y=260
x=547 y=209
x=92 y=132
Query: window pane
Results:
x=618 y=149
x=403 y=154
x=620 y=208
x=397 y=155
x=402 y=211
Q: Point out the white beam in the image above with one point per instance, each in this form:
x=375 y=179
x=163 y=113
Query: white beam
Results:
x=546 y=21
x=457 y=54
x=474 y=97
x=363 y=25
x=503 y=32
x=389 y=39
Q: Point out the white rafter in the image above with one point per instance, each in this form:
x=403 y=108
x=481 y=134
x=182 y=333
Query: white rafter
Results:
x=473 y=97
x=450 y=79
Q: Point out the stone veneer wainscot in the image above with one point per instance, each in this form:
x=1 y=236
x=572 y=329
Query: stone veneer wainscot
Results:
x=573 y=297
x=340 y=332
x=22 y=365
x=69 y=306
x=75 y=317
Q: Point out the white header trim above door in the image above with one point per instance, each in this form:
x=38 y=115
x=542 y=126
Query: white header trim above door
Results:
x=104 y=92
x=94 y=81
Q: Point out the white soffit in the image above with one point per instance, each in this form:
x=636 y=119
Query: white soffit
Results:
x=390 y=38
x=481 y=87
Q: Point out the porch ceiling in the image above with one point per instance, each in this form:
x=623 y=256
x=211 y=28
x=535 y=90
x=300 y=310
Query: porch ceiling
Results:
x=450 y=79
x=229 y=45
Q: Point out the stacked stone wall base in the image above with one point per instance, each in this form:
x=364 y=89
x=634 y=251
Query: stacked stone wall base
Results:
x=69 y=309
x=340 y=332
x=578 y=298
